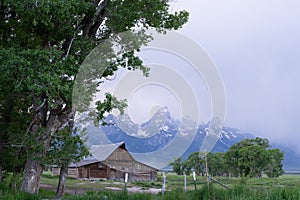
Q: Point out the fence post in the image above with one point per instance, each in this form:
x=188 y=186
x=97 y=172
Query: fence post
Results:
x=184 y=180
x=194 y=177
x=164 y=185
x=126 y=180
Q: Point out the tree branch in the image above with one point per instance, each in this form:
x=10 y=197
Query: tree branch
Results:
x=111 y=79
x=93 y=24
x=68 y=51
x=39 y=108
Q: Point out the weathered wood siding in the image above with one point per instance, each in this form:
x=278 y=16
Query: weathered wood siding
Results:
x=122 y=161
x=95 y=170
x=55 y=171
x=72 y=172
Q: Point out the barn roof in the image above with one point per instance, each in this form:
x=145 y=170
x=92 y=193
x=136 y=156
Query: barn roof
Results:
x=99 y=153
x=86 y=161
x=102 y=152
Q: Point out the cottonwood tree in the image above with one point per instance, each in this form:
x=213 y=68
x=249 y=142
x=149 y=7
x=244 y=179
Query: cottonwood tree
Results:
x=13 y=121
x=274 y=165
x=42 y=45
x=216 y=166
x=177 y=166
x=252 y=157
x=195 y=162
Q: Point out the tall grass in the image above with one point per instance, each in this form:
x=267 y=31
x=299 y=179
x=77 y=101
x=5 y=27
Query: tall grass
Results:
x=235 y=193
x=242 y=192
x=110 y=195
x=205 y=193
x=254 y=189
x=7 y=193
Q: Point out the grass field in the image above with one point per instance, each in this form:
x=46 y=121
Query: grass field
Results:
x=285 y=187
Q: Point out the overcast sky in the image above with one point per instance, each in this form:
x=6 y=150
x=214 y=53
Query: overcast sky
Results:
x=256 y=47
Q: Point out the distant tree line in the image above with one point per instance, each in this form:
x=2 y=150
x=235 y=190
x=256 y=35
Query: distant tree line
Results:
x=248 y=158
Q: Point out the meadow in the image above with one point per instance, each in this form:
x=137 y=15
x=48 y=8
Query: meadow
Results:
x=284 y=187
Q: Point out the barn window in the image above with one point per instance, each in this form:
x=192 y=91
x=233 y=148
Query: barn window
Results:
x=100 y=165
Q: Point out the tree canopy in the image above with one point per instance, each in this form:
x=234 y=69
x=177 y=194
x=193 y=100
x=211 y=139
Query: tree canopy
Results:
x=252 y=157
x=248 y=158
x=42 y=45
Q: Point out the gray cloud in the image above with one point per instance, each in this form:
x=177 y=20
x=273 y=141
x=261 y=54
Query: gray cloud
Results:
x=256 y=46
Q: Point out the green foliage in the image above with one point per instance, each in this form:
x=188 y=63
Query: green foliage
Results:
x=6 y=194
x=32 y=24
x=66 y=147
x=38 y=72
x=216 y=165
x=263 y=188
x=108 y=105
x=205 y=193
x=177 y=166
x=248 y=158
x=109 y=195
x=180 y=194
x=14 y=119
x=274 y=164
x=146 y=13
x=42 y=46
x=195 y=162
x=251 y=157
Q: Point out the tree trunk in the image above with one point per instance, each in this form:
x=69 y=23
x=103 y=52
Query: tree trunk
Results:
x=33 y=167
x=51 y=123
x=62 y=181
x=31 y=176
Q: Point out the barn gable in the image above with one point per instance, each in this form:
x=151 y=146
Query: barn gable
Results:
x=102 y=152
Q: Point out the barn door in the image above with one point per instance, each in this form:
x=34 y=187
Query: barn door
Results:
x=84 y=173
x=112 y=175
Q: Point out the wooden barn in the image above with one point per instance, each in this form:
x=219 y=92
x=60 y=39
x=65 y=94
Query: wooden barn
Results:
x=110 y=162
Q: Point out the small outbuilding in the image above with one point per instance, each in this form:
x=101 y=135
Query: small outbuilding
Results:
x=110 y=162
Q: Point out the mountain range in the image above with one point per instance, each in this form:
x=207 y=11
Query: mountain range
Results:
x=162 y=129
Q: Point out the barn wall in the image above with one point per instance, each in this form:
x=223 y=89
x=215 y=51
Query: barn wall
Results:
x=140 y=167
x=122 y=161
x=115 y=174
x=72 y=172
x=96 y=170
x=55 y=171
x=139 y=177
x=120 y=155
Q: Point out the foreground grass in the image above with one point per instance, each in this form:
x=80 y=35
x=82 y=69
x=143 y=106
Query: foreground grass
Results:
x=175 y=181
x=285 y=187
x=205 y=193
